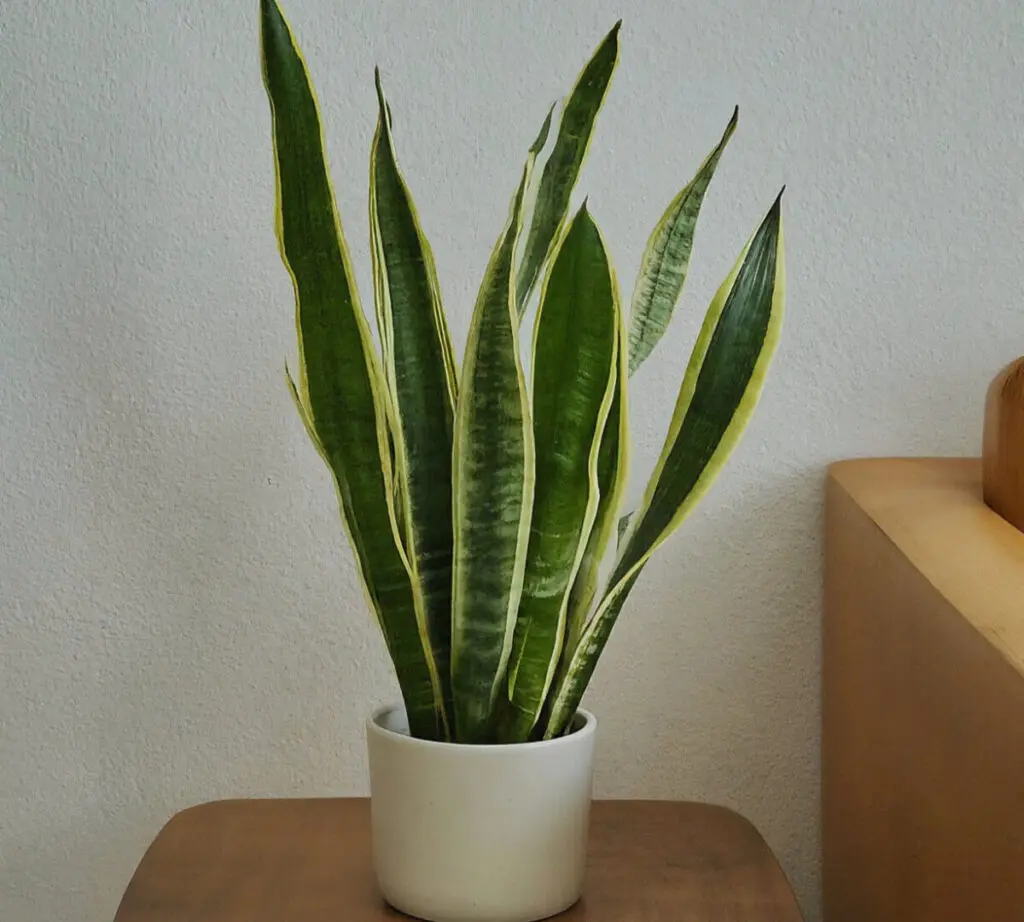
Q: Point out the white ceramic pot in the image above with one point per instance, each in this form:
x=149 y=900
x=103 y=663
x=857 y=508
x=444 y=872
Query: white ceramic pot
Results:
x=479 y=833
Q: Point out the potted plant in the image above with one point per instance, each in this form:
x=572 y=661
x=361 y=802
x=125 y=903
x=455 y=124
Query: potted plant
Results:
x=479 y=506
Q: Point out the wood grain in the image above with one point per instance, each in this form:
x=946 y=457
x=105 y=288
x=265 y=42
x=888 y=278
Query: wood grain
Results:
x=923 y=697
x=1003 y=445
x=309 y=860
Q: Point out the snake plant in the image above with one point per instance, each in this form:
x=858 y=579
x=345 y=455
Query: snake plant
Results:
x=479 y=505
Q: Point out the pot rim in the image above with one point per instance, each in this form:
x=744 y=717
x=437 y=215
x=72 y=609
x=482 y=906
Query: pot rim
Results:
x=374 y=727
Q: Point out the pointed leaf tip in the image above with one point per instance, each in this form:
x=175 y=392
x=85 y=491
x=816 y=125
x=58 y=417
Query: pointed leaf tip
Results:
x=553 y=194
x=273 y=27
x=542 y=135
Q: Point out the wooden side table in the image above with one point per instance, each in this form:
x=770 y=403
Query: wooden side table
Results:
x=309 y=860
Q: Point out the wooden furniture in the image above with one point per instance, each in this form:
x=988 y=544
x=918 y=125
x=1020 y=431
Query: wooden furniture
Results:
x=309 y=861
x=1003 y=450
x=923 y=697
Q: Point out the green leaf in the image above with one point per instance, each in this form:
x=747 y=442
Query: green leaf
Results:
x=528 y=184
x=420 y=370
x=521 y=199
x=720 y=389
x=612 y=477
x=563 y=166
x=303 y=411
x=623 y=526
x=667 y=258
x=340 y=386
x=542 y=136
x=493 y=478
x=574 y=351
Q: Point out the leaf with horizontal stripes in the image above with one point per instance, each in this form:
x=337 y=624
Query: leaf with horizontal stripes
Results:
x=420 y=370
x=493 y=484
x=667 y=258
x=340 y=384
x=574 y=352
x=720 y=389
x=564 y=163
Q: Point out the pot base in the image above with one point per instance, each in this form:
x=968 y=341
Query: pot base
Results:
x=475 y=916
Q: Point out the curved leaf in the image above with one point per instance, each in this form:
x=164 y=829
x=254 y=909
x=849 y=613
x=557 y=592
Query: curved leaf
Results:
x=667 y=258
x=420 y=371
x=574 y=351
x=720 y=389
x=340 y=385
x=563 y=165
x=493 y=482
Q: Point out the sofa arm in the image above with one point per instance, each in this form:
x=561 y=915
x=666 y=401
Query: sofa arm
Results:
x=923 y=697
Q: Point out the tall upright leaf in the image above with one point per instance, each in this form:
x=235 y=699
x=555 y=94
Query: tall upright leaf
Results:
x=574 y=352
x=420 y=371
x=563 y=165
x=720 y=389
x=667 y=258
x=612 y=478
x=340 y=385
x=493 y=482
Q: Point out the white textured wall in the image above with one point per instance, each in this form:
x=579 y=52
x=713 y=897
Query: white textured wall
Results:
x=179 y=616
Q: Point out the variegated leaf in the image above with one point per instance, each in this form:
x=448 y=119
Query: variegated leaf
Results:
x=493 y=483
x=420 y=371
x=612 y=477
x=340 y=384
x=563 y=165
x=574 y=373
x=667 y=258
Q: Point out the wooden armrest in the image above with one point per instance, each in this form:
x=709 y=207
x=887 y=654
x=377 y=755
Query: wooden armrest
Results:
x=923 y=697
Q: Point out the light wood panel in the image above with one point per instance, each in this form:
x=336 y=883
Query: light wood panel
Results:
x=309 y=860
x=923 y=697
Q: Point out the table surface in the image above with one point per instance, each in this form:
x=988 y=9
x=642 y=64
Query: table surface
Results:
x=309 y=860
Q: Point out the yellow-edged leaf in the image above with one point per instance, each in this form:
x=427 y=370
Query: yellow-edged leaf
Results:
x=493 y=483
x=340 y=391
x=420 y=370
x=575 y=347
